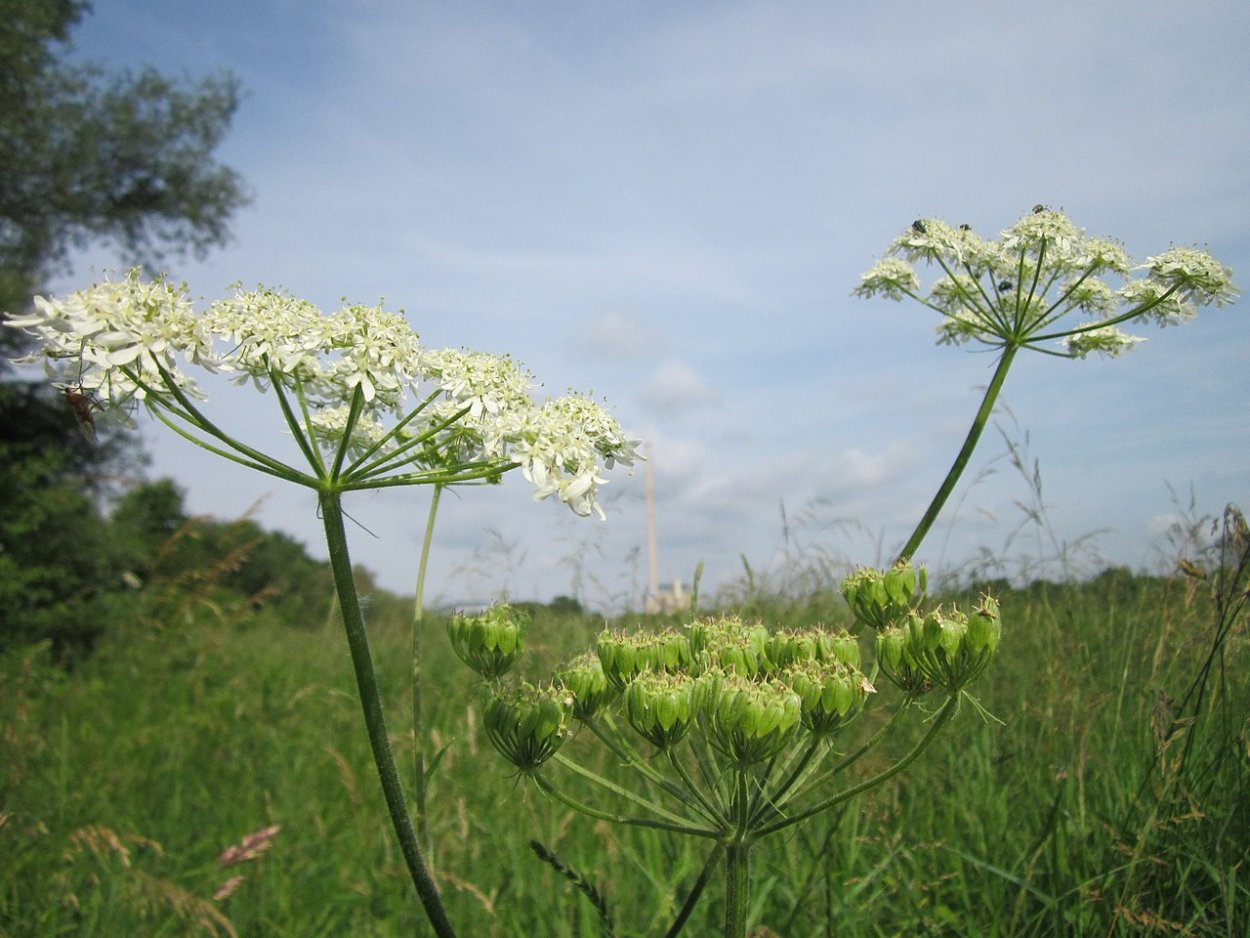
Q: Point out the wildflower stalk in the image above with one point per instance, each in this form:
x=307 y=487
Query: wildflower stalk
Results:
x=737 y=888
x=965 y=454
x=331 y=508
x=418 y=679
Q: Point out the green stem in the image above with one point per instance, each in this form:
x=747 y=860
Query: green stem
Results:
x=582 y=808
x=696 y=891
x=418 y=625
x=961 y=461
x=375 y=723
x=737 y=888
x=612 y=738
x=947 y=711
x=625 y=793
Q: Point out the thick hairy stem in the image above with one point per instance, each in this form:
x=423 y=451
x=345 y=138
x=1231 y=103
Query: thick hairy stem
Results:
x=961 y=461
x=737 y=888
x=375 y=722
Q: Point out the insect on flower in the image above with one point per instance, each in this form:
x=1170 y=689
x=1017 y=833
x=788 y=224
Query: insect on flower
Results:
x=81 y=403
x=918 y=227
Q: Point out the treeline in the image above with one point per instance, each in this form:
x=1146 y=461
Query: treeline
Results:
x=84 y=548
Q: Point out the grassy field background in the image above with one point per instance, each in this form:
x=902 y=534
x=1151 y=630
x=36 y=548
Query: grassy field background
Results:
x=1111 y=800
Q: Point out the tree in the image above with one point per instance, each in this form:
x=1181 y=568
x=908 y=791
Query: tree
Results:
x=124 y=158
x=85 y=156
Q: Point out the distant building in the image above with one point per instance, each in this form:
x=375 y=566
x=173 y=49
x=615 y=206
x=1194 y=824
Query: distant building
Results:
x=669 y=600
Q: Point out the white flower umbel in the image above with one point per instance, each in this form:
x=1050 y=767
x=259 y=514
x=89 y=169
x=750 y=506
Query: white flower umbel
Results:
x=1024 y=290
x=367 y=404
x=1044 y=286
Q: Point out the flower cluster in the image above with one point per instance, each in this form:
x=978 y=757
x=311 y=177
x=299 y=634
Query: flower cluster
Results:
x=355 y=383
x=1013 y=292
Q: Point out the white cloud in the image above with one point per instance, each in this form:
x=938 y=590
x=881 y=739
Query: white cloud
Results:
x=675 y=387
x=620 y=334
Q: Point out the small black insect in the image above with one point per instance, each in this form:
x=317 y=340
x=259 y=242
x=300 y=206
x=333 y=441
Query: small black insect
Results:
x=965 y=227
x=918 y=227
x=1039 y=208
x=1004 y=286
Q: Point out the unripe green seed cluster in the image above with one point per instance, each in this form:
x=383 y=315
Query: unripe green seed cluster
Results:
x=491 y=642
x=527 y=724
x=883 y=598
x=749 y=692
x=941 y=648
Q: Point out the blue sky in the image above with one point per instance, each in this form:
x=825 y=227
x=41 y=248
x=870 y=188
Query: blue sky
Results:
x=670 y=204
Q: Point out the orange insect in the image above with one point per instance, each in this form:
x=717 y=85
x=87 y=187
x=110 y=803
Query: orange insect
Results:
x=82 y=403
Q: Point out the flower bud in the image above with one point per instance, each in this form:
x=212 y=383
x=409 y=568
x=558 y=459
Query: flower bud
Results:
x=583 y=677
x=661 y=707
x=528 y=724
x=491 y=642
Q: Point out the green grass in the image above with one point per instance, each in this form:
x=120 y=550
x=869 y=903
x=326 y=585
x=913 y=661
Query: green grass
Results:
x=122 y=781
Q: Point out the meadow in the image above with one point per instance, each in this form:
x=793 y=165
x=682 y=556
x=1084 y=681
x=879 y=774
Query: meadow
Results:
x=1112 y=799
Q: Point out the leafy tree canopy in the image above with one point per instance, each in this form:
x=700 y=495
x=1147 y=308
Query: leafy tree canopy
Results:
x=88 y=155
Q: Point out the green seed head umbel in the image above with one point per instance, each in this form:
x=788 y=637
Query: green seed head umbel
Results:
x=883 y=598
x=941 y=648
x=788 y=646
x=831 y=693
x=491 y=642
x=585 y=680
x=661 y=706
x=527 y=724
x=751 y=721
x=626 y=655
